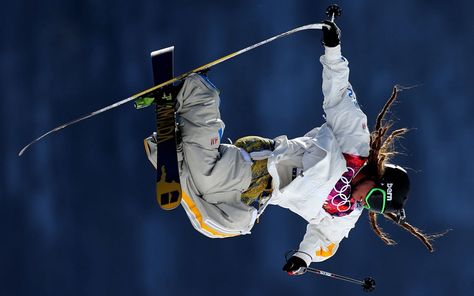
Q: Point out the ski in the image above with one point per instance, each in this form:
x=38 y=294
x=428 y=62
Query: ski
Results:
x=168 y=187
x=146 y=97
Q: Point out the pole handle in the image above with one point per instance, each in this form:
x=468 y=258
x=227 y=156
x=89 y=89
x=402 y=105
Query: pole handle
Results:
x=333 y=11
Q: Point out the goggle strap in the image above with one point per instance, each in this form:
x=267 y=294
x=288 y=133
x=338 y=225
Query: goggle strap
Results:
x=401 y=216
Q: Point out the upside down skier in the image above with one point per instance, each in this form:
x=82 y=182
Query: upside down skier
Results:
x=328 y=176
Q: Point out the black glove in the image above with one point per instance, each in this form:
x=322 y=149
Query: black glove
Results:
x=331 y=37
x=295 y=266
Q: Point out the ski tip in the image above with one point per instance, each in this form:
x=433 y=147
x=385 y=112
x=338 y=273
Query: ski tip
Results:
x=161 y=51
x=23 y=150
x=168 y=194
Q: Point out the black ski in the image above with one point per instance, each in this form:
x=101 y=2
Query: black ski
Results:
x=168 y=188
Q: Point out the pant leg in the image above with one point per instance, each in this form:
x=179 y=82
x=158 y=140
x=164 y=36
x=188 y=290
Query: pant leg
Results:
x=216 y=170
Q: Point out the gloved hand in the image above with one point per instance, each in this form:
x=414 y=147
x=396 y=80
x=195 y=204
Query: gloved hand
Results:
x=331 y=37
x=295 y=266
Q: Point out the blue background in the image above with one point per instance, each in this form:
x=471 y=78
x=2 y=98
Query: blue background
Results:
x=78 y=215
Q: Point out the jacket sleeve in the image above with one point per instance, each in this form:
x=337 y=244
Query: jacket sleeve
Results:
x=343 y=114
x=322 y=240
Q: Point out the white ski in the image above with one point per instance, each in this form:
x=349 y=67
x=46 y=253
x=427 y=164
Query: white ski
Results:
x=149 y=92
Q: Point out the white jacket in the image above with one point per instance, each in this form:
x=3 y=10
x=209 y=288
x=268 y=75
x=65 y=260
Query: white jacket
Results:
x=318 y=155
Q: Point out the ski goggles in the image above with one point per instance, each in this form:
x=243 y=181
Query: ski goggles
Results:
x=376 y=200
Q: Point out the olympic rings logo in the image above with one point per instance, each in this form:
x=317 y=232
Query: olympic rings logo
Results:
x=342 y=200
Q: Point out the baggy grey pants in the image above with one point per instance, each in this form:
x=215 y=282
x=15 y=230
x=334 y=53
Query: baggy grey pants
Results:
x=219 y=172
x=213 y=175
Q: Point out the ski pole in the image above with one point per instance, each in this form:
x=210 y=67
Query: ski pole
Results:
x=368 y=284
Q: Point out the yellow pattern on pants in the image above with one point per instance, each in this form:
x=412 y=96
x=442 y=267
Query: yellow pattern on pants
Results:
x=261 y=179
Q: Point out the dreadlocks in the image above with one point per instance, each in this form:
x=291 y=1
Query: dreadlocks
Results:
x=381 y=150
x=381 y=147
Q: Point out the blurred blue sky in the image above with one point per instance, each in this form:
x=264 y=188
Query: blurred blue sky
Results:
x=77 y=211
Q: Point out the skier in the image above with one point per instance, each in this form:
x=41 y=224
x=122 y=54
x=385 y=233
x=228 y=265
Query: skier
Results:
x=328 y=176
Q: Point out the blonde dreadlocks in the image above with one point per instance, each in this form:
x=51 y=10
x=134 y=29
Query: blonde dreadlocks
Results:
x=381 y=150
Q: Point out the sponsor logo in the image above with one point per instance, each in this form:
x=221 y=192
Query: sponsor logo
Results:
x=166 y=123
x=342 y=199
x=389 y=191
x=351 y=92
x=167 y=97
